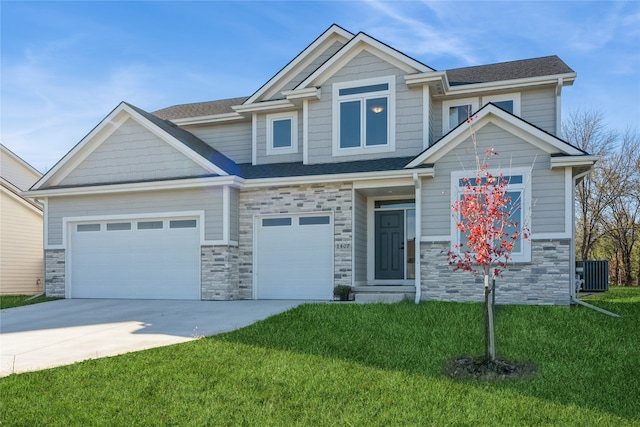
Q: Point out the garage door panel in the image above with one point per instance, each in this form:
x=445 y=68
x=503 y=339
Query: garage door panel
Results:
x=137 y=263
x=295 y=261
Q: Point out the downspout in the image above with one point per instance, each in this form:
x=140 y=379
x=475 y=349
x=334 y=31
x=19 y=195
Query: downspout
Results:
x=572 y=256
x=418 y=186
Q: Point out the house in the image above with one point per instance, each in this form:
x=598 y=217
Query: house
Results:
x=341 y=169
x=21 y=255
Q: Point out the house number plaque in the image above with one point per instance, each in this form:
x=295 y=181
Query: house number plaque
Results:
x=343 y=246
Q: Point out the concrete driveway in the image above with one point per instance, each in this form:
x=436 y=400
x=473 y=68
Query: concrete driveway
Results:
x=67 y=331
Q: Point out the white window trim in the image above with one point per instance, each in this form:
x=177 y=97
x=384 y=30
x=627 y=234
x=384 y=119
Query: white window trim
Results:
x=525 y=207
x=293 y=116
x=515 y=97
x=454 y=103
x=391 y=128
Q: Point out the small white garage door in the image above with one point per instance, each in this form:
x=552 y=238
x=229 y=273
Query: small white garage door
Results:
x=295 y=257
x=138 y=259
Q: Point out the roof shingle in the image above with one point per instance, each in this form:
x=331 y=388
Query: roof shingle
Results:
x=199 y=109
x=525 y=68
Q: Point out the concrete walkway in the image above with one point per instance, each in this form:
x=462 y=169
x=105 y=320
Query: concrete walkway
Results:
x=62 y=332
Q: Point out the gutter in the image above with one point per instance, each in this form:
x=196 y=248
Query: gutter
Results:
x=572 y=258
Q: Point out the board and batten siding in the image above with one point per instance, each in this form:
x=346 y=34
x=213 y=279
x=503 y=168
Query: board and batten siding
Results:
x=231 y=139
x=547 y=186
x=209 y=200
x=408 y=138
x=21 y=250
x=132 y=153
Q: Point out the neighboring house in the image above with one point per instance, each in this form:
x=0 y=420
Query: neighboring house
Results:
x=324 y=176
x=20 y=228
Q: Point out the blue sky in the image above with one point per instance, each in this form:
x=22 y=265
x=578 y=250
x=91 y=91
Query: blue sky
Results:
x=65 y=65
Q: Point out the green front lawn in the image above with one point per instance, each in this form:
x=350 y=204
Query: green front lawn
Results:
x=10 y=301
x=349 y=364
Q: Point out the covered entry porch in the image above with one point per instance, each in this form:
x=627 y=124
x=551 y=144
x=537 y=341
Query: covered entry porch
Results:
x=384 y=236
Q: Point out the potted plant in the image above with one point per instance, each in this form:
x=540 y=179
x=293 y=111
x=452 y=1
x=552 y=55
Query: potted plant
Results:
x=343 y=293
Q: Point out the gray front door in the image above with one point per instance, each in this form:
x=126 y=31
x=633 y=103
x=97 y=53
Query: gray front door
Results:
x=389 y=245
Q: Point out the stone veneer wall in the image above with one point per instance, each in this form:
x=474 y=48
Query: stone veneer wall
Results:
x=336 y=198
x=546 y=280
x=219 y=273
x=54 y=273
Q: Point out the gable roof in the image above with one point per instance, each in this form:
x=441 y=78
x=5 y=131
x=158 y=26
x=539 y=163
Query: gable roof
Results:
x=491 y=113
x=521 y=69
x=185 y=142
x=357 y=44
x=332 y=34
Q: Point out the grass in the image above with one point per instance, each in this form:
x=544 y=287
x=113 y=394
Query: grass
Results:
x=10 y=301
x=349 y=364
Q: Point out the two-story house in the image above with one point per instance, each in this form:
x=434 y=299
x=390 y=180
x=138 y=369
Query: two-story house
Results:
x=341 y=169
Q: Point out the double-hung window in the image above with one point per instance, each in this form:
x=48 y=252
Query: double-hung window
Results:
x=519 y=193
x=364 y=116
x=282 y=133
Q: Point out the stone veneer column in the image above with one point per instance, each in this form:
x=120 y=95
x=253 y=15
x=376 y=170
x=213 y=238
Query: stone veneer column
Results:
x=336 y=198
x=219 y=267
x=546 y=280
x=54 y=273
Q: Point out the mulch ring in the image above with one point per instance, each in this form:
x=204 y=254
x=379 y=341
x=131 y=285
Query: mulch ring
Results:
x=480 y=368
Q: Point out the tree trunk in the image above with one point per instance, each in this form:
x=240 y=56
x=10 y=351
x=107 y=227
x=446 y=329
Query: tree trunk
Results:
x=490 y=333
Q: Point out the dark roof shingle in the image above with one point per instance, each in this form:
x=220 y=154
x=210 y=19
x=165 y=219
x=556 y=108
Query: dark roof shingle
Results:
x=199 y=109
x=525 y=68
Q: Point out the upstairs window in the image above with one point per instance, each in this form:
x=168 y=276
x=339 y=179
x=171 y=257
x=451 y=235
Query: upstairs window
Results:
x=282 y=133
x=509 y=102
x=457 y=111
x=364 y=116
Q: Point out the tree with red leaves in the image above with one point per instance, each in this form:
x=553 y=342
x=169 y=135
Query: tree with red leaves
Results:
x=483 y=215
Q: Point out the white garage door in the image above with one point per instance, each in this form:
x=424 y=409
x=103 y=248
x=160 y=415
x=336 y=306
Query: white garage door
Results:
x=295 y=257
x=139 y=259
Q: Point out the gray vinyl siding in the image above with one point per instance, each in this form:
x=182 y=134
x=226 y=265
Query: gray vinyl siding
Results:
x=208 y=200
x=538 y=107
x=231 y=139
x=234 y=215
x=547 y=186
x=132 y=153
x=409 y=107
x=261 y=144
x=321 y=59
x=360 y=237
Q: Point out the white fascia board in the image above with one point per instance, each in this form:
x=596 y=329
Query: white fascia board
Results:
x=572 y=161
x=214 y=118
x=188 y=152
x=352 y=177
x=315 y=49
x=356 y=45
x=232 y=181
x=6 y=152
x=29 y=204
x=567 y=80
x=78 y=153
x=512 y=124
x=302 y=94
x=429 y=78
x=279 y=104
